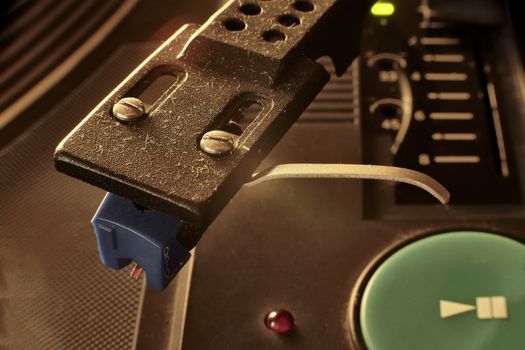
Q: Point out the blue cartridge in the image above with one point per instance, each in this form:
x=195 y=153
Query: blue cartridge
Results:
x=127 y=232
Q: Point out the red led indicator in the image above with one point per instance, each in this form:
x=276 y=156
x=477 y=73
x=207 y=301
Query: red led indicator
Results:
x=279 y=321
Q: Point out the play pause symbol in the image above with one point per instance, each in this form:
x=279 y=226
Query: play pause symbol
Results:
x=487 y=308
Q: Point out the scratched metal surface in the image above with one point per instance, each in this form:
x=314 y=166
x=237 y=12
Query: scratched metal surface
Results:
x=155 y=162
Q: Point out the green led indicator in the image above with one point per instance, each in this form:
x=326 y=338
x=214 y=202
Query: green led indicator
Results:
x=383 y=8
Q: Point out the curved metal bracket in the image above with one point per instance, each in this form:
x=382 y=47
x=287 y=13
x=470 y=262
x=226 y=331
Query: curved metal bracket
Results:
x=353 y=171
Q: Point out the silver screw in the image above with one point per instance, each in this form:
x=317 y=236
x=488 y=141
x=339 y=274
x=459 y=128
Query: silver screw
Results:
x=129 y=109
x=218 y=142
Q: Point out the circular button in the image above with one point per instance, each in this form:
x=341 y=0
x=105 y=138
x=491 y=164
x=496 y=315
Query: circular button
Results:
x=459 y=290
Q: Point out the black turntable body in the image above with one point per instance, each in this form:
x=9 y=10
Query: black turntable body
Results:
x=300 y=262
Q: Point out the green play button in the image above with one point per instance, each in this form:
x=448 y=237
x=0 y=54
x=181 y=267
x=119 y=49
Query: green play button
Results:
x=459 y=290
